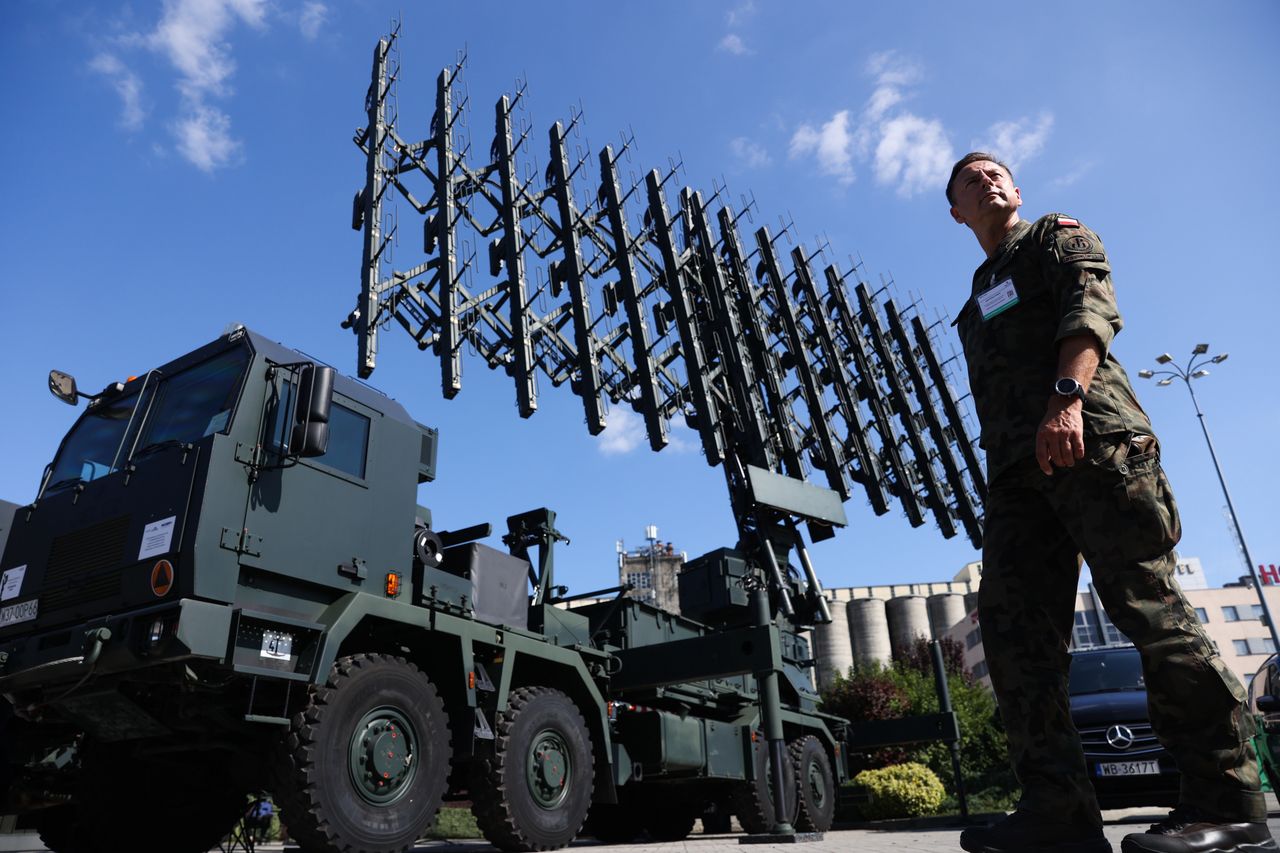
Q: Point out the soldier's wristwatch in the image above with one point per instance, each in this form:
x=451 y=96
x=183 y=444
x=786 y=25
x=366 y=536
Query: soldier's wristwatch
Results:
x=1068 y=387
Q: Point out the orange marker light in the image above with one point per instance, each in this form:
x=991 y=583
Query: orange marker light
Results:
x=393 y=584
x=471 y=680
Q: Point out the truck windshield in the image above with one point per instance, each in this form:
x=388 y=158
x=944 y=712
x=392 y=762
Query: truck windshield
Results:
x=180 y=408
x=1107 y=672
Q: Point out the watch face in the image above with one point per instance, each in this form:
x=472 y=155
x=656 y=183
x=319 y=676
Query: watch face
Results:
x=1067 y=387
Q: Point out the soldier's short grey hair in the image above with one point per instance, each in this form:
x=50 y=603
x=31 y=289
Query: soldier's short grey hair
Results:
x=974 y=157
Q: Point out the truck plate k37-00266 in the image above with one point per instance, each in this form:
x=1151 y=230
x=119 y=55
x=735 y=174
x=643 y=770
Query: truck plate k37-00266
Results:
x=23 y=611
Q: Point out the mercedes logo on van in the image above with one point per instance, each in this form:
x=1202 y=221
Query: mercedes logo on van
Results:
x=1120 y=738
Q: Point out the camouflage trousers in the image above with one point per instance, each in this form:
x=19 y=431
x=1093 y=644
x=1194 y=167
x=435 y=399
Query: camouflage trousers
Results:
x=1116 y=509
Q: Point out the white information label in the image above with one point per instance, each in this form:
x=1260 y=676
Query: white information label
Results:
x=276 y=645
x=1129 y=768
x=11 y=582
x=1001 y=296
x=23 y=612
x=156 y=537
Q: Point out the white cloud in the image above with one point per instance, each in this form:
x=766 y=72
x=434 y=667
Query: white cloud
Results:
x=733 y=43
x=204 y=138
x=748 y=154
x=624 y=433
x=127 y=85
x=192 y=35
x=739 y=14
x=1073 y=176
x=313 y=17
x=831 y=144
x=1017 y=141
x=913 y=153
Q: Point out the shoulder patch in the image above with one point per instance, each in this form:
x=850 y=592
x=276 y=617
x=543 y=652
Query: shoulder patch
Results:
x=1068 y=222
x=1077 y=244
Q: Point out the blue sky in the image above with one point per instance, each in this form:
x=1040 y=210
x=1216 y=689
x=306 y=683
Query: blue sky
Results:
x=171 y=167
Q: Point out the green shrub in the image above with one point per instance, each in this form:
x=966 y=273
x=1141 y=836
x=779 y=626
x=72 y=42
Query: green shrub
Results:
x=903 y=790
x=452 y=822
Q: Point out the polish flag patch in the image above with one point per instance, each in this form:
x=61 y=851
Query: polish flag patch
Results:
x=1068 y=222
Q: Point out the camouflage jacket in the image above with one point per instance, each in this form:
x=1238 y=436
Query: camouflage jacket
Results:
x=1061 y=287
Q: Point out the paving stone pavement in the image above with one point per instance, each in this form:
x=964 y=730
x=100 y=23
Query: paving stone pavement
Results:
x=866 y=840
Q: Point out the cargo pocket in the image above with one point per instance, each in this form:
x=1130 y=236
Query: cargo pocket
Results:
x=1144 y=520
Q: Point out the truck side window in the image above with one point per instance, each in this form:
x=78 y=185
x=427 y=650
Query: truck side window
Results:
x=348 y=441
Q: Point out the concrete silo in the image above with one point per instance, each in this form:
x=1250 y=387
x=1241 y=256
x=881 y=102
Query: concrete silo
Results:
x=908 y=619
x=869 y=631
x=945 y=610
x=832 y=647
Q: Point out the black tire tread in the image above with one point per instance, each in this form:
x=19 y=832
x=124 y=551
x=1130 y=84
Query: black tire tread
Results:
x=489 y=800
x=308 y=824
x=807 y=820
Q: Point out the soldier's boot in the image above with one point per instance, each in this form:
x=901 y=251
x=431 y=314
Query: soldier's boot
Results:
x=1187 y=830
x=1022 y=832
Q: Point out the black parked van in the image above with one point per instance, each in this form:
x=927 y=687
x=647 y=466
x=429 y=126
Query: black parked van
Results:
x=1127 y=765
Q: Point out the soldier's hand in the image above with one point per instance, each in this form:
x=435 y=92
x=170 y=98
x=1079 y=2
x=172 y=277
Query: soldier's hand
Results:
x=1060 y=438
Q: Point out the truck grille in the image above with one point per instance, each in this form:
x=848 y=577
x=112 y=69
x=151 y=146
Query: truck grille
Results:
x=85 y=565
x=1139 y=736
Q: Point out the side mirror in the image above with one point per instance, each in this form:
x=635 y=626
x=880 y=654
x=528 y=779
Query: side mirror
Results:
x=311 y=414
x=1268 y=704
x=63 y=386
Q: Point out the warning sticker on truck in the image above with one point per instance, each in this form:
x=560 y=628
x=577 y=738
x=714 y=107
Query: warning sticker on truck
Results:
x=156 y=537
x=11 y=582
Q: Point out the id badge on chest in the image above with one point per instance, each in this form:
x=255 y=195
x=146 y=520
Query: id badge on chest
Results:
x=998 y=298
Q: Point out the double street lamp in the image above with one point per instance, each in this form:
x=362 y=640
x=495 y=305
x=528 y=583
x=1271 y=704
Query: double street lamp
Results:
x=1195 y=369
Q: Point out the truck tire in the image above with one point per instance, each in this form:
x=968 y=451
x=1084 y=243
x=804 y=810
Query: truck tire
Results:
x=366 y=762
x=188 y=802
x=752 y=800
x=815 y=785
x=535 y=792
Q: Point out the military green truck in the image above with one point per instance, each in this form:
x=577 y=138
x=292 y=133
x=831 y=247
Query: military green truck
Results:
x=225 y=585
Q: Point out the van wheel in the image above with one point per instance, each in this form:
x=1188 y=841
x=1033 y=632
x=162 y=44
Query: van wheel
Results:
x=366 y=761
x=815 y=785
x=535 y=792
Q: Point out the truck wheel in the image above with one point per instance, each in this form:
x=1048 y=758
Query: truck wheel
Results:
x=535 y=792
x=815 y=785
x=366 y=762
x=753 y=799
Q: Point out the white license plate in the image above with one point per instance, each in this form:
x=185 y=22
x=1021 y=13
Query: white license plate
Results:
x=24 y=611
x=276 y=645
x=1129 y=768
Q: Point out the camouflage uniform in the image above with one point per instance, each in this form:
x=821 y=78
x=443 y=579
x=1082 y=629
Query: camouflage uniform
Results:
x=1114 y=508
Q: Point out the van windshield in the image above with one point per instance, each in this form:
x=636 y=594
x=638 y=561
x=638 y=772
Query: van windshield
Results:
x=181 y=408
x=1107 y=672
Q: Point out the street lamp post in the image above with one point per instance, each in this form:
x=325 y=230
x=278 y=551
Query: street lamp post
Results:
x=1195 y=370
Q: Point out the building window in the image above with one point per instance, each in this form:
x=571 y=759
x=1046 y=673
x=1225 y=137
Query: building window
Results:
x=640 y=580
x=1085 y=634
x=973 y=638
x=1261 y=646
x=1241 y=646
x=1203 y=615
x=1110 y=632
x=1230 y=614
x=1257 y=611
x=980 y=669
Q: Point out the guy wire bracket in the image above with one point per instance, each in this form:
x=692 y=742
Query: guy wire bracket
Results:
x=633 y=300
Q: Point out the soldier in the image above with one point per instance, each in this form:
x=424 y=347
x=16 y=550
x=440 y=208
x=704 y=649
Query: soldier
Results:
x=1074 y=471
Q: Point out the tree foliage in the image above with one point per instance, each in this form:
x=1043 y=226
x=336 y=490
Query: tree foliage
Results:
x=907 y=688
